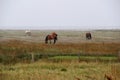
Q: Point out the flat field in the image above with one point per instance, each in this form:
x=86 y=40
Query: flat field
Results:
x=64 y=36
x=73 y=57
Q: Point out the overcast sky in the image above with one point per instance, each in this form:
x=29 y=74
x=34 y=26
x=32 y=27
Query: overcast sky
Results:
x=59 y=14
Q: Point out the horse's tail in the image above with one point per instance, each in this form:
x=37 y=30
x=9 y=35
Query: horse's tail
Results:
x=46 y=39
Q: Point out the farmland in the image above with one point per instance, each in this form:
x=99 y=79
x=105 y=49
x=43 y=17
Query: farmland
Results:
x=71 y=58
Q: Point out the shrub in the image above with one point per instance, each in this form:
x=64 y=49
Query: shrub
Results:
x=64 y=69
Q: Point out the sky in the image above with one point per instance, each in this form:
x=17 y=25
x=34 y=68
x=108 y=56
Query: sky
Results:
x=59 y=14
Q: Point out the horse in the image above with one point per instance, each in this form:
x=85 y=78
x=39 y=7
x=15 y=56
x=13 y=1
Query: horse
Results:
x=52 y=36
x=28 y=33
x=88 y=35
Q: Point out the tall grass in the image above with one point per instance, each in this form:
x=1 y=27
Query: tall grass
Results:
x=18 y=47
x=15 y=50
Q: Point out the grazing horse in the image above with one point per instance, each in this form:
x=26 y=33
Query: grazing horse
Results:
x=50 y=37
x=28 y=33
x=88 y=35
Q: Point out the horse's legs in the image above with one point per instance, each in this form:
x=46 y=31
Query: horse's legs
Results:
x=55 y=38
x=50 y=41
x=46 y=41
x=54 y=41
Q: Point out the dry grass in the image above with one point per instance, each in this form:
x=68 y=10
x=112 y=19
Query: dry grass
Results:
x=54 y=71
x=15 y=50
x=16 y=47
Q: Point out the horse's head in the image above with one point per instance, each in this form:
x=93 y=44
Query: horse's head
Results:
x=54 y=36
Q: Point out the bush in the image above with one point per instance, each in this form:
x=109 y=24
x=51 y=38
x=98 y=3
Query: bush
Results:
x=7 y=59
x=64 y=69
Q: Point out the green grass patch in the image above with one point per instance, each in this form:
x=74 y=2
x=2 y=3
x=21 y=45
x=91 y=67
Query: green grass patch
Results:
x=85 y=58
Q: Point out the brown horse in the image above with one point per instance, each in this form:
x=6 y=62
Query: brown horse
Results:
x=88 y=35
x=50 y=37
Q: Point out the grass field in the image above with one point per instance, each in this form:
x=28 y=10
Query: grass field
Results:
x=71 y=58
x=64 y=36
x=43 y=70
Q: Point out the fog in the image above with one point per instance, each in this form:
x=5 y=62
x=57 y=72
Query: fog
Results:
x=60 y=14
